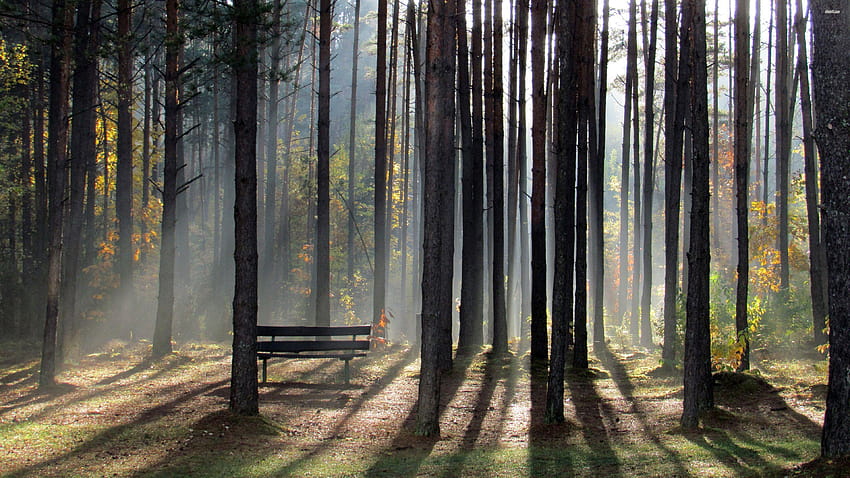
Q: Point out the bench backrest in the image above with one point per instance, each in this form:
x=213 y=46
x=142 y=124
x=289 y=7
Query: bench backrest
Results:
x=302 y=345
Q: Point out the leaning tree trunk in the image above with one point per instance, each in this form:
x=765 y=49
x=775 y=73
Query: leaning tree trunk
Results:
x=831 y=68
x=698 y=394
x=817 y=256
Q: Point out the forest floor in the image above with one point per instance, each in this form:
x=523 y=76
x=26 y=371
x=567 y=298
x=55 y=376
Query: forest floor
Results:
x=117 y=414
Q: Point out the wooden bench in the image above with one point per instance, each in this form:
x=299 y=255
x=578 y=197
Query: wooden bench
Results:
x=302 y=342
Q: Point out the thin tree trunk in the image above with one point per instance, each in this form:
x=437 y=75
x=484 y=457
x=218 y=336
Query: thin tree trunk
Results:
x=322 y=248
x=539 y=350
x=165 y=304
x=817 y=256
x=648 y=181
x=743 y=113
x=500 y=326
x=124 y=167
x=471 y=294
x=352 y=134
x=269 y=209
x=597 y=192
x=783 y=142
x=631 y=60
x=379 y=288
x=767 y=114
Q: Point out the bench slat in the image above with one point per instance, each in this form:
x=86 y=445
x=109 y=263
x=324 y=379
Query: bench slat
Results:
x=298 y=330
x=311 y=345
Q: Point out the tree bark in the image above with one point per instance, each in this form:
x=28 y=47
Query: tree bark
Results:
x=124 y=152
x=165 y=304
x=57 y=141
x=818 y=279
x=539 y=352
x=352 y=133
x=597 y=192
x=783 y=142
x=698 y=393
x=648 y=181
x=831 y=69
x=244 y=396
x=379 y=290
x=500 y=325
x=743 y=113
x=562 y=298
x=471 y=292
x=323 y=312
x=438 y=209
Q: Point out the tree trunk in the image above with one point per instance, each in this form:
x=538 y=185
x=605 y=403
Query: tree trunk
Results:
x=471 y=293
x=562 y=298
x=631 y=60
x=539 y=350
x=743 y=113
x=323 y=312
x=648 y=181
x=500 y=326
x=124 y=152
x=83 y=146
x=767 y=114
x=57 y=141
x=831 y=69
x=269 y=209
x=244 y=397
x=379 y=290
x=817 y=256
x=675 y=91
x=783 y=142
x=597 y=193
x=438 y=240
x=352 y=133
x=165 y=304
x=698 y=393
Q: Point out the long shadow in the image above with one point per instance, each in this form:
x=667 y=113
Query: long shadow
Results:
x=492 y=375
x=745 y=461
x=22 y=376
x=38 y=395
x=406 y=453
x=621 y=379
x=104 y=438
x=543 y=438
x=590 y=408
x=373 y=390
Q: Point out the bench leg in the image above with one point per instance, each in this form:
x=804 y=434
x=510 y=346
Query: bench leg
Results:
x=264 y=369
x=346 y=372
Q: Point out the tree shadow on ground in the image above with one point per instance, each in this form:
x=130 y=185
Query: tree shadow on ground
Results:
x=543 y=437
x=498 y=369
x=102 y=388
x=620 y=376
x=407 y=451
x=591 y=412
x=371 y=391
x=110 y=440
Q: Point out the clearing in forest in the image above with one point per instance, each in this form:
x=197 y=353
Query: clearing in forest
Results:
x=116 y=414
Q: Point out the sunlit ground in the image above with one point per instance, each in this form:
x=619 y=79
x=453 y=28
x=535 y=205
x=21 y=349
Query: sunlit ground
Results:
x=116 y=414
